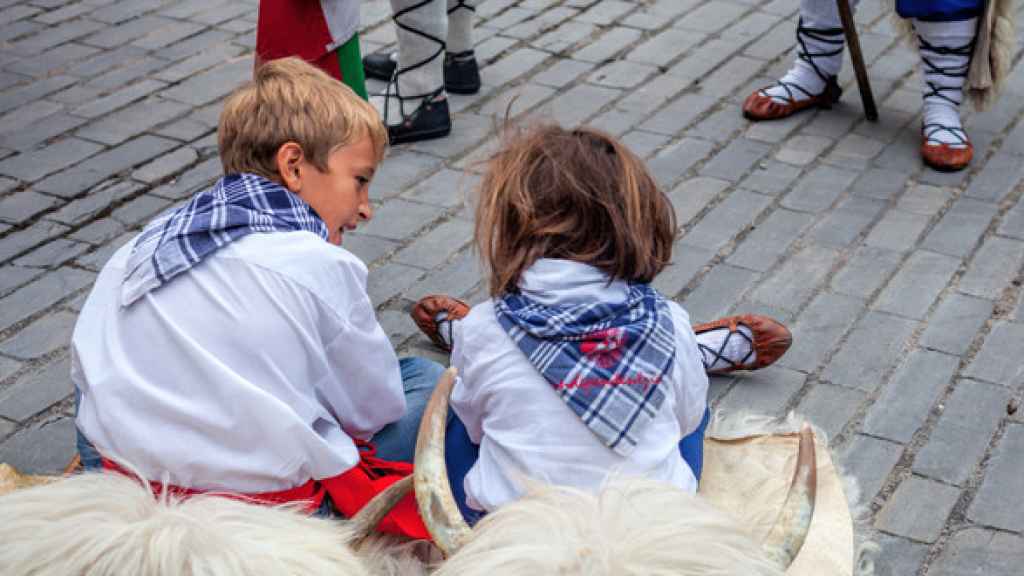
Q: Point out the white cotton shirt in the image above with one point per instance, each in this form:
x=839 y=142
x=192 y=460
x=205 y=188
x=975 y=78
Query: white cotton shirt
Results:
x=250 y=372
x=526 y=431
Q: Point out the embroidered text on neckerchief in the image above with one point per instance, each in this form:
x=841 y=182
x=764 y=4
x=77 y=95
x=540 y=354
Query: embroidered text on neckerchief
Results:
x=236 y=206
x=606 y=361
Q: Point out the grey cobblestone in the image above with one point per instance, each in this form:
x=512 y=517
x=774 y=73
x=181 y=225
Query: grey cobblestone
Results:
x=802 y=150
x=770 y=240
x=958 y=231
x=456 y=278
x=847 y=221
x=879 y=183
x=52 y=254
x=436 y=246
x=12 y=277
x=80 y=178
x=676 y=160
x=735 y=159
x=41 y=294
x=918 y=509
x=99 y=231
x=132 y=120
x=731 y=217
x=898 y=556
x=955 y=323
x=8 y=366
x=994 y=504
x=819 y=328
x=712 y=298
x=997 y=263
x=22 y=206
x=878 y=336
x=687 y=262
x=982 y=552
x=37 y=392
x=916 y=286
x=34 y=165
x=818 y=189
x=763 y=392
x=44 y=449
x=898 y=231
x=691 y=196
x=907 y=400
x=997 y=179
x=771 y=177
x=997 y=360
x=795 y=282
x=23 y=240
x=830 y=407
x=41 y=337
x=958 y=442
x=871 y=460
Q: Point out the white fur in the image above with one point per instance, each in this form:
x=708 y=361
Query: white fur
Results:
x=111 y=525
x=632 y=527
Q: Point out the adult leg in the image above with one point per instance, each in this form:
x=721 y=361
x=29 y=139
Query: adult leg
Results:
x=812 y=79
x=460 y=455
x=461 y=72
x=397 y=441
x=414 y=105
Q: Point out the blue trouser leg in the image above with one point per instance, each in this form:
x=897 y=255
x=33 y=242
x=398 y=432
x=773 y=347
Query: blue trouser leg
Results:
x=397 y=441
x=460 y=454
x=940 y=10
x=90 y=457
x=692 y=446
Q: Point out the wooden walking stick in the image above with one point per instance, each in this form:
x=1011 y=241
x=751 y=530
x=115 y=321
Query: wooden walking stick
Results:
x=857 y=57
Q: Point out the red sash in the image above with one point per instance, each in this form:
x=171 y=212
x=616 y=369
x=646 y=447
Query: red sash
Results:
x=349 y=492
x=288 y=28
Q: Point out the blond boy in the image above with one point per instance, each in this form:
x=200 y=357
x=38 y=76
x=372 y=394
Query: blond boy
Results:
x=232 y=346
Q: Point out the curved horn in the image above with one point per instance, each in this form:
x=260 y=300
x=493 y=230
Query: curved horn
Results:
x=434 y=496
x=365 y=521
x=786 y=537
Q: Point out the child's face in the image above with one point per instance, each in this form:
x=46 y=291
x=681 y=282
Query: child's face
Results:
x=340 y=196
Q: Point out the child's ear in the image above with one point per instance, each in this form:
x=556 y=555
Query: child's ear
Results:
x=289 y=158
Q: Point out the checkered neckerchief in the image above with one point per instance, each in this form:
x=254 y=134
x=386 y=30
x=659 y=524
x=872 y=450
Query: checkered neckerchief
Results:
x=606 y=361
x=237 y=205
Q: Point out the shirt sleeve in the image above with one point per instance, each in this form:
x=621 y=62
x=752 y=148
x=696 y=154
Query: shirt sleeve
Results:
x=692 y=393
x=465 y=401
x=364 y=386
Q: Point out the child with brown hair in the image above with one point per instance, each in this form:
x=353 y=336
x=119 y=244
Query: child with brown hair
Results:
x=231 y=347
x=576 y=367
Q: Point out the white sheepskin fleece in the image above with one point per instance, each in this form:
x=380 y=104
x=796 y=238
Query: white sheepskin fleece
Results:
x=632 y=527
x=111 y=525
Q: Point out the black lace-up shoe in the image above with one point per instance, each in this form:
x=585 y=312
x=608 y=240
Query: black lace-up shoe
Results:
x=431 y=119
x=461 y=71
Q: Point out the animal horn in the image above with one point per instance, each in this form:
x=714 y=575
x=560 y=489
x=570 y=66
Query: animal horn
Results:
x=434 y=496
x=786 y=537
x=366 y=520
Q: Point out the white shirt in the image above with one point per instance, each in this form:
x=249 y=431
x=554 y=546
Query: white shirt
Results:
x=525 y=430
x=250 y=372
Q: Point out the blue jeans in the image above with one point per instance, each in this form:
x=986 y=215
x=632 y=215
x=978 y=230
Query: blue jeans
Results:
x=396 y=441
x=461 y=454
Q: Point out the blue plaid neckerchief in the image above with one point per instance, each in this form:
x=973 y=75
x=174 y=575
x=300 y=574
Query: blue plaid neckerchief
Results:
x=606 y=361
x=236 y=206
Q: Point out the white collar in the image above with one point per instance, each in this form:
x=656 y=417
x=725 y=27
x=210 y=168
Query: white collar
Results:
x=552 y=281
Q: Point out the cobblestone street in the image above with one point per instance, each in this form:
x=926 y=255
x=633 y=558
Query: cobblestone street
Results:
x=902 y=285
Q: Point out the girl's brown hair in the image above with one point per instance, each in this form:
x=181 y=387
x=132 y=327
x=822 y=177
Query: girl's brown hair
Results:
x=572 y=194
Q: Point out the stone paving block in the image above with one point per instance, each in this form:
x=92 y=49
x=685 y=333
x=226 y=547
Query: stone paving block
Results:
x=35 y=164
x=514 y=102
x=854 y=150
x=687 y=262
x=771 y=177
x=878 y=336
x=729 y=218
x=917 y=284
x=52 y=61
x=622 y=74
x=166 y=165
x=212 y=84
x=197 y=177
x=763 y=392
x=729 y=76
x=41 y=337
x=105 y=164
x=664 y=47
x=960 y=228
x=119 y=12
x=38 y=132
x=561 y=40
x=52 y=254
x=41 y=294
x=772 y=132
x=43 y=449
x=735 y=159
x=907 y=400
x=562 y=73
x=118 y=99
x=23 y=240
x=770 y=240
x=802 y=150
x=111 y=37
x=37 y=391
x=830 y=407
x=676 y=160
x=220 y=13
x=994 y=266
x=22 y=206
x=99 y=231
x=574 y=106
x=167 y=35
x=606 y=12
x=398 y=219
x=447 y=188
x=513 y=65
x=456 y=278
x=969 y=418
x=34 y=91
x=12 y=277
x=135 y=119
x=844 y=224
x=998 y=360
x=26 y=115
x=398 y=326
x=918 y=509
x=198 y=61
x=679 y=114
x=796 y=281
x=751 y=26
x=870 y=460
x=924 y=199
x=897 y=231
x=644 y=144
x=55 y=36
x=390 y=280
x=980 y=551
x=98 y=200
x=882 y=184
x=1013 y=221
x=818 y=189
x=437 y=245
x=718 y=291
x=956 y=323
x=711 y=17
x=690 y=197
x=998 y=498
x=997 y=179
x=819 y=328
x=139 y=209
x=648 y=98
x=898 y=556
x=721 y=126
x=95 y=260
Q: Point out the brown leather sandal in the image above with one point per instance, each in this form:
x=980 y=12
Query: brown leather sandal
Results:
x=770 y=340
x=430 y=309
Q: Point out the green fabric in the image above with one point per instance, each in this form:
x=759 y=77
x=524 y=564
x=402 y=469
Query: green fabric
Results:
x=351 y=63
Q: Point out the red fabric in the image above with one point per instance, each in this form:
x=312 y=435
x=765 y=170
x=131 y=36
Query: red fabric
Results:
x=295 y=28
x=349 y=493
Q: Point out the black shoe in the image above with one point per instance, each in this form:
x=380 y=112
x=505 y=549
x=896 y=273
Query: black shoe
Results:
x=430 y=120
x=461 y=72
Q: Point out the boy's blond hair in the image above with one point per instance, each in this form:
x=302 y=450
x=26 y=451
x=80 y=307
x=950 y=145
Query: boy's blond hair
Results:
x=289 y=100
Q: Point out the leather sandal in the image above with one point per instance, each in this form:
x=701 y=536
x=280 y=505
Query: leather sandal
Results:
x=770 y=340
x=761 y=106
x=945 y=157
x=437 y=309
